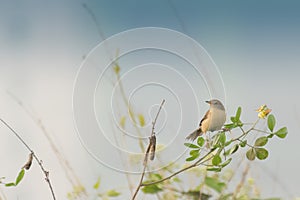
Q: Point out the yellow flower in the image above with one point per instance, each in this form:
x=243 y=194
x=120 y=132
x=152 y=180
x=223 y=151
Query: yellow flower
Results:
x=263 y=111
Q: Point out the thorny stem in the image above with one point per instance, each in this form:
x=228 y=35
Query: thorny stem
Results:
x=46 y=173
x=147 y=152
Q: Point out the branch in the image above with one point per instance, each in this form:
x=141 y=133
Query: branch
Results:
x=199 y=161
x=69 y=171
x=46 y=173
x=195 y=164
x=154 y=122
x=151 y=149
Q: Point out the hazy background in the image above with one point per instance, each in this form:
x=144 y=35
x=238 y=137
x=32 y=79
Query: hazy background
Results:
x=255 y=45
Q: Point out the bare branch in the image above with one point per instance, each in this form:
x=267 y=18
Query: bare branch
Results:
x=69 y=171
x=151 y=149
x=46 y=173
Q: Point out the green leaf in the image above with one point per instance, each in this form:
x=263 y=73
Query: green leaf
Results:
x=281 y=133
x=155 y=177
x=229 y=126
x=238 y=114
x=192 y=146
x=270 y=135
x=20 y=177
x=97 y=184
x=261 y=153
x=250 y=154
x=194 y=152
x=271 y=122
x=262 y=141
x=214 y=169
x=214 y=184
x=224 y=164
x=151 y=189
x=200 y=141
x=222 y=138
x=177 y=180
x=193 y=157
x=239 y=123
x=113 y=193
x=243 y=143
x=228 y=143
x=9 y=184
x=233 y=119
x=216 y=160
x=217 y=140
x=232 y=150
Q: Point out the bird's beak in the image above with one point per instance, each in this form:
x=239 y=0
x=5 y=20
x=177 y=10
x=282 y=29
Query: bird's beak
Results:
x=207 y=102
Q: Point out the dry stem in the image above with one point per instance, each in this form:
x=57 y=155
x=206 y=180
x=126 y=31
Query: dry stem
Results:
x=150 y=146
x=46 y=173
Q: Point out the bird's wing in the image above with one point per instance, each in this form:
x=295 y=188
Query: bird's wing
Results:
x=204 y=126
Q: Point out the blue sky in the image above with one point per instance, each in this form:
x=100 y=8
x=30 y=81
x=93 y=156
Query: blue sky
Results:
x=255 y=45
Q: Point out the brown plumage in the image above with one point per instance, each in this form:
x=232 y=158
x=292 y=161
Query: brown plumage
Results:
x=213 y=119
x=202 y=129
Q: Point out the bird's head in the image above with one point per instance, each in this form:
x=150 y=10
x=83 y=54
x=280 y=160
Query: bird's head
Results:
x=215 y=103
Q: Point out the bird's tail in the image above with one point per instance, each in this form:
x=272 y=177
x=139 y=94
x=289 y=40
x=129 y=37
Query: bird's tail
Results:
x=194 y=134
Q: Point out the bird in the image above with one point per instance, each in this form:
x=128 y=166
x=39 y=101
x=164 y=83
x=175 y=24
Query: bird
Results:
x=212 y=121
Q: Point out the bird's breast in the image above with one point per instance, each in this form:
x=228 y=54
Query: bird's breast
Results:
x=218 y=118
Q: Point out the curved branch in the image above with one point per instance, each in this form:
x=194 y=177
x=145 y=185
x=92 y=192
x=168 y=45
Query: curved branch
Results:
x=151 y=147
x=46 y=173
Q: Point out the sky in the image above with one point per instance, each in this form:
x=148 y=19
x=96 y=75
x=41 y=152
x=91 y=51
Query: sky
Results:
x=249 y=57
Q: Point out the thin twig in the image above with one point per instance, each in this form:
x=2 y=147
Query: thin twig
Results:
x=46 y=173
x=140 y=183
x=69 y=171
x=147 y=152
x=155 y=119
x=95 y=20
x=261 y=131
x=195 y=164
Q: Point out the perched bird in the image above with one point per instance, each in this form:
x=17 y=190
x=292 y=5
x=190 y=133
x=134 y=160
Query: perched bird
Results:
x=213 y=120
